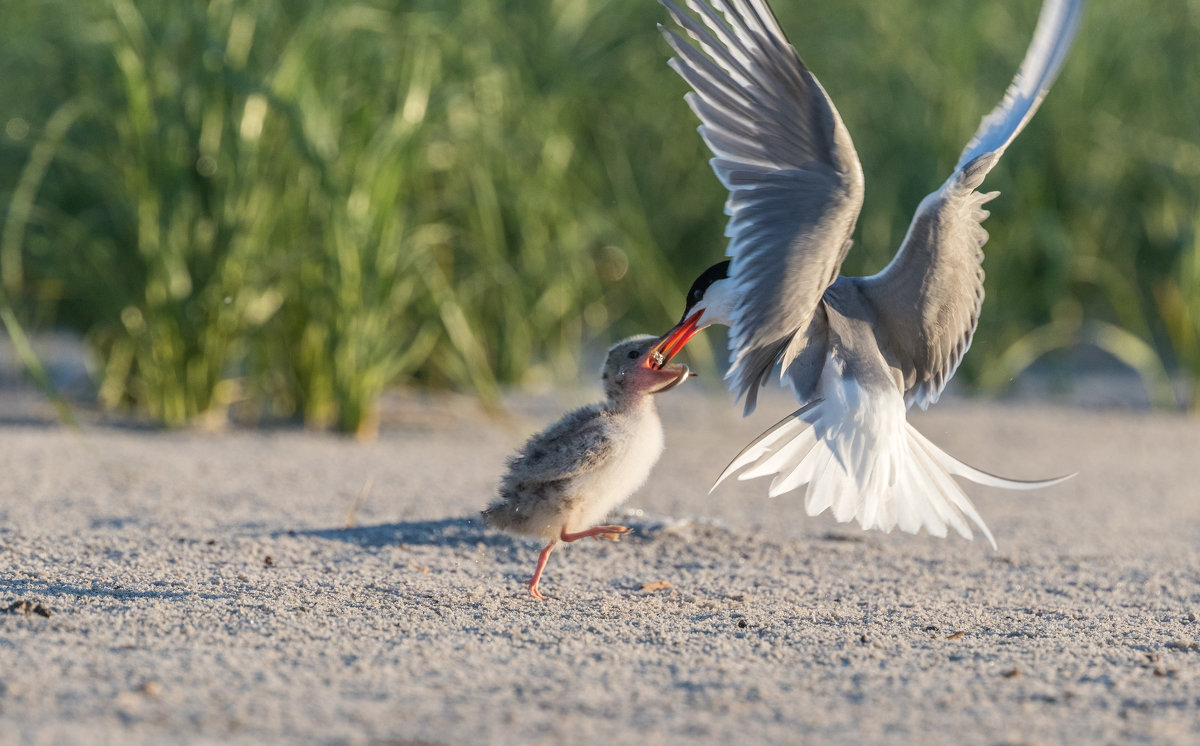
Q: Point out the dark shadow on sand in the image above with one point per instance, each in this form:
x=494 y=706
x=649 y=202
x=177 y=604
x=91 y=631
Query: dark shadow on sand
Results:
x=450 y=533
x=444 y=532
x=40 y=588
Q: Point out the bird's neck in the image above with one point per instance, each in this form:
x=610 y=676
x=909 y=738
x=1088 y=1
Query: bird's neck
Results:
x=637 y=403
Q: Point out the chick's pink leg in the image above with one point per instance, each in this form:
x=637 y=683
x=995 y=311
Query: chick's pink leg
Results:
x=537 y=574
x=612 y=533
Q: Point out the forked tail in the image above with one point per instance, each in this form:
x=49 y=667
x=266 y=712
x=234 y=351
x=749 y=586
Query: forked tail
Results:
x=868 y=464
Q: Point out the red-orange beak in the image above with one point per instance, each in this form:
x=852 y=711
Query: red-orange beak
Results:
x=673 y=341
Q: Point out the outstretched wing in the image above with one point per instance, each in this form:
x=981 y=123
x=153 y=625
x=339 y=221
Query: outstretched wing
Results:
x=928 y=298
x=795 y=183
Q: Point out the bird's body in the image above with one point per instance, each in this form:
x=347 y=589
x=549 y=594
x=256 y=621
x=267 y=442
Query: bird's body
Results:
x=579 y=469
x=573 y=473
x=856 y=352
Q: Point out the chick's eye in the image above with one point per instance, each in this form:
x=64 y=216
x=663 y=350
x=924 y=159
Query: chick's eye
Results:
x=633 y=354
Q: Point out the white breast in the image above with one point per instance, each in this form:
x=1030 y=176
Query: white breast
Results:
x=638 y=437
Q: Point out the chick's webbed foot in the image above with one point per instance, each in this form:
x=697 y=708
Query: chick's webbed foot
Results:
x=612 y=533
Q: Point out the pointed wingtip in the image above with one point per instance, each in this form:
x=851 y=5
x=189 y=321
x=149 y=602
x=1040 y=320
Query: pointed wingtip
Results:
x=1058 y=22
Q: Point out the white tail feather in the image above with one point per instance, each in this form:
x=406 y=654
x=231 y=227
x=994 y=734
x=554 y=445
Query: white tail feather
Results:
x=787 y=428
x=862 y=461
x=959 y=469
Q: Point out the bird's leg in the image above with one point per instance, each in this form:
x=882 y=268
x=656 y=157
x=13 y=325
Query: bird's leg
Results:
x=537 y=574
x=612 y=533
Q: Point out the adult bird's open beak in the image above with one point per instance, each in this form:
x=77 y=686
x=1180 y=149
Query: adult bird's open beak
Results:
x=673 y=341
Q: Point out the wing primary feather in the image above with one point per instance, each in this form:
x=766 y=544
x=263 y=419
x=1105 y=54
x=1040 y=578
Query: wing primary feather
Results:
x=693 y=66
x=1057 y=24
x=724 y=54
x=743 y=39
x=723 y=31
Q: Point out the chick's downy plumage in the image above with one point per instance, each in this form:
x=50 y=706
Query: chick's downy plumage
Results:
x=570 y=475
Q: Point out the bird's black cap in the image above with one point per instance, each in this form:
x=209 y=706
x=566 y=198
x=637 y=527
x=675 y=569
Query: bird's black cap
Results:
x=718 y=271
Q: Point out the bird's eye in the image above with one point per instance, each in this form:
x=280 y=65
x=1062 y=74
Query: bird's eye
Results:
x=633 y=354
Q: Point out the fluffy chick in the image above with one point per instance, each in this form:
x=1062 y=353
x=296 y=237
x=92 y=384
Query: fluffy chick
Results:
x=574 y=472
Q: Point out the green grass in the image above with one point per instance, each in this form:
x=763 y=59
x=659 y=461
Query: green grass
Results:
x=293 y=208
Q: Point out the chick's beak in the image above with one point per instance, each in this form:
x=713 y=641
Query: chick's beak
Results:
x=673 y=341
x=661 y=376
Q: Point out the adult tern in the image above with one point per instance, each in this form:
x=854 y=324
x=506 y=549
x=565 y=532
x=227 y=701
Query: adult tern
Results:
x=857 y=352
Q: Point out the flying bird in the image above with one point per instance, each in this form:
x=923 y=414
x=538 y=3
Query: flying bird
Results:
x=575 y=471
x=857 y=352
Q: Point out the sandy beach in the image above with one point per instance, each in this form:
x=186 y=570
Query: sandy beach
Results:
x=279 y=586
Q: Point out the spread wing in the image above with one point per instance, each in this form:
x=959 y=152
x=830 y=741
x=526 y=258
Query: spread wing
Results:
x=928 y=298
x=795 y=183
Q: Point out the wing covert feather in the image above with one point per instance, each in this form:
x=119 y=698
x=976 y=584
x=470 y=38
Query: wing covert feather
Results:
x=571 y=446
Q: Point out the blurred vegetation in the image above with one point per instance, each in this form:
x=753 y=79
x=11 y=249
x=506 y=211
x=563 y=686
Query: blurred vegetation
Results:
x=294 y=207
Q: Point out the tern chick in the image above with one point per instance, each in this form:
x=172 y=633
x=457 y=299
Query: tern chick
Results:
x=570 y=475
